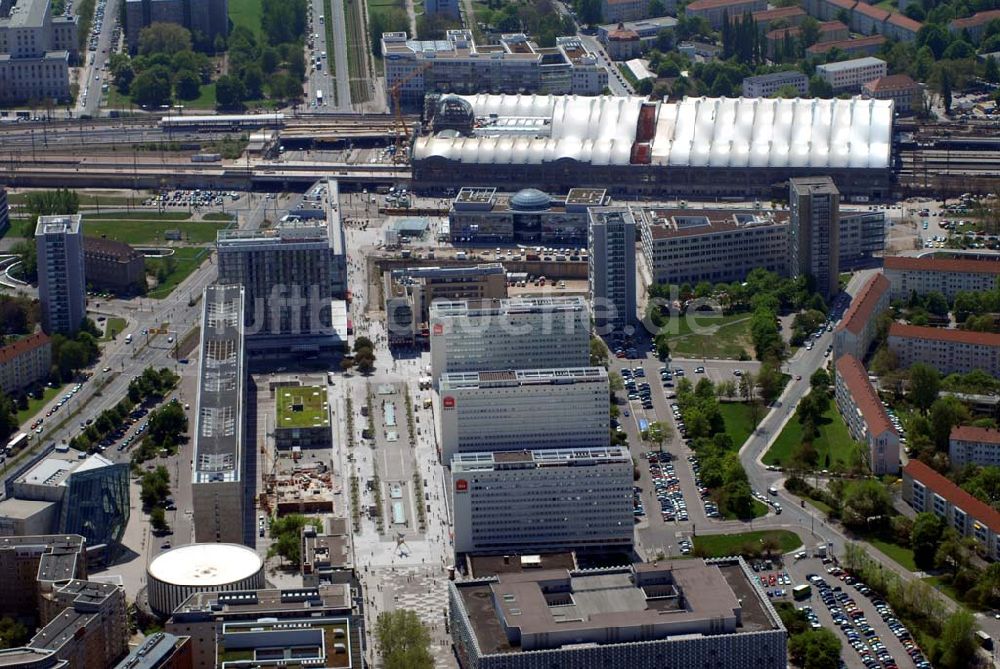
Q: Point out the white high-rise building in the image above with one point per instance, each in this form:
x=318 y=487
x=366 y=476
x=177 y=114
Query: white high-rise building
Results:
x=543 y=500
x=61 y=282
x=519 y=333
x=612 y=267
x=514 y=410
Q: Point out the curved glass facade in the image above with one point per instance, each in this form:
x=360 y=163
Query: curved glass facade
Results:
x=96 y=505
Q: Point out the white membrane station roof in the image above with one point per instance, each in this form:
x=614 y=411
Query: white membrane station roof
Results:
x=696 y=132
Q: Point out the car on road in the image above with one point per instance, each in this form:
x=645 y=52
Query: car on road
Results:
x=106 y=370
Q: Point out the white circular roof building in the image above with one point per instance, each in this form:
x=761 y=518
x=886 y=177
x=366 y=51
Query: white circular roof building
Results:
x=183 y=571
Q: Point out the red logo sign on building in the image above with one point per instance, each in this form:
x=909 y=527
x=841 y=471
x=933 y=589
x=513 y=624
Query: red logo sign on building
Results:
x=448 y=401
x=438 y=329
x=461 y=485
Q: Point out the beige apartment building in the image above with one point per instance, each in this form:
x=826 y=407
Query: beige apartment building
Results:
x=682 y=246
x=945 y=275
x=457 y=64
x=865 y=416
x=849 y=75
x=25 y=362
x=715 y=11
x=970 y=445
x=948 y=351
x=856 y=331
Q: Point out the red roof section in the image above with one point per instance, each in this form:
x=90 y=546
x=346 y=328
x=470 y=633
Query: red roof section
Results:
x=793 y=31
x=929 y=264
x=872 y=11
x=978 y=19
x=863 y=305
x=985 y=435
x=944 y=334
x=893 y=82
x=713 y=4
x=855 y=377
x=905 y=22
x=778 y=13
x=22 y=346
x=847 y=44
x=937 y=483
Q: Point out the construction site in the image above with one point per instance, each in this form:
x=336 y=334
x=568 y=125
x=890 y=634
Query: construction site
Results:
x=295 y=474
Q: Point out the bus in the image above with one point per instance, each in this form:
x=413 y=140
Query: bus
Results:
x=319 y=98
x=16 y=443
x=803 y=591
x=643 y=425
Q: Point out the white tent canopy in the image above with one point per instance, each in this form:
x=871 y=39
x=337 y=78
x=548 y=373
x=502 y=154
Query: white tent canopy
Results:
x=697 y=132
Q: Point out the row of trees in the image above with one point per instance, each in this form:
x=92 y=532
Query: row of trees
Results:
x=154 y=385
x=718 y=457
x=808 y=648
x=946 y=635
x=154 y=489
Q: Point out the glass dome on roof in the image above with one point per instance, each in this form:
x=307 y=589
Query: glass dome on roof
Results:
x=530 y=199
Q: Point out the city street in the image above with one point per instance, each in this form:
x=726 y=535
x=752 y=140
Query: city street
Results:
x=327 y=63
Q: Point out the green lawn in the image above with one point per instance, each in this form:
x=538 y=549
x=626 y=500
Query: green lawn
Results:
x=721 y=545
x=114 y=99
x=113 y=326
x=205 y=99
x=833 y=440
x=151 y=232
x=759 y=511
x=709 y=336
x=302 y=406
x=34 y=406
x=247 y=13
x=20 y=227
x=901 y=554
x=822 y=506
x=739 y=425
x=186 y=259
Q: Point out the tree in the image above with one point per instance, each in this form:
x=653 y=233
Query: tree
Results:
x=809 y=34
x=924 y=538
x=925 y=382
x=286 y=537
x=820 y=379
x=229 y=92
x=589 y=11
x=364 y=360
x=946 y=413
x=403 y=640
x=657 y=8
x=151 y=88
x=154 y=487
x=363 y=342
x=187 y=85
x=122 y=73
x=787 y=92
x=958 y=640
x=991 y=73
x=866 y=503
x=253 y=82
x=770 y=380
x=935 y=37
x=167 y=424
x=820 y=87
x=945 y=89
x=8 y=417
x=158 y=519
x=161 y=37
x=12 y=633
x=815 y=649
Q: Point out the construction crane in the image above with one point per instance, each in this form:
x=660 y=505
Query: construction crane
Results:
x=400 y=128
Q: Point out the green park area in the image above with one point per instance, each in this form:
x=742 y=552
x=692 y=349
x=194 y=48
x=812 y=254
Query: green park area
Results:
x=36 y=405
x=151 y=228
x=834 y=445
x=722 y=545
x=247 y=13
x=173 y=269
x=113 y=327
x=302 y=406
x=709 y=336
x=739 y=421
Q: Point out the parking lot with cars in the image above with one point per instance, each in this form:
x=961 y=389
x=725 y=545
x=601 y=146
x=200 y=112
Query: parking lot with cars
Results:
x=873 y=637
